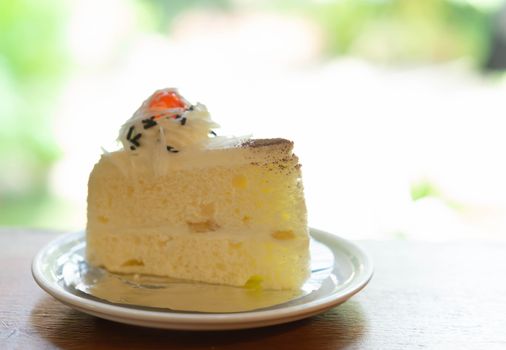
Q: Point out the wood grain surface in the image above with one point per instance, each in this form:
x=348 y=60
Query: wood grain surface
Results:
x=423 y=296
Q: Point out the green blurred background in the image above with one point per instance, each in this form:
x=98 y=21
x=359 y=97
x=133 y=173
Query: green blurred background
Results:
x=37 y=62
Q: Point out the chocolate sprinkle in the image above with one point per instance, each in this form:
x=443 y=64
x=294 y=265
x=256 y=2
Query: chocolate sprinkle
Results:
x=183 y=121
x=148 y=123
x=191 y=108
x=132 y=148
x=172 y=149
x=130 y=131
x=135 y=140
x=213 y=133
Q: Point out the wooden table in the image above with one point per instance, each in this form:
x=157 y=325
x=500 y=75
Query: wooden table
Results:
x=423 y=295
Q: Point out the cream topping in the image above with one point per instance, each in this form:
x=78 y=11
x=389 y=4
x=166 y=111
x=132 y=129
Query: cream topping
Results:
x=167 y=132
x=167 y=123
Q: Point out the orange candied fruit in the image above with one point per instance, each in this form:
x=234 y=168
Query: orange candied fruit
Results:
x=166 y=100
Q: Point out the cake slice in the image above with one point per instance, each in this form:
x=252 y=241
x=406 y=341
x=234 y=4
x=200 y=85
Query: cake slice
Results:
x=178 y=201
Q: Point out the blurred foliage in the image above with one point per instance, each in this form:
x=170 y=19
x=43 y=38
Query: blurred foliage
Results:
x=388 y=31
x=163 y=12
x=423 y=189
x=32 y=65
x=396 y=31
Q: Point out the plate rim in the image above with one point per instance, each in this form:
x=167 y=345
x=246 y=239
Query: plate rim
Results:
x=209 y=321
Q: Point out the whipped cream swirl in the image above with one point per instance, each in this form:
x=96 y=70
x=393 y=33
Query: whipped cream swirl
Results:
x=168 y=123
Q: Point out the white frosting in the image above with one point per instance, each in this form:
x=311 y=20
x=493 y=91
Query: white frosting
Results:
x=173 y=138
x=167 y=130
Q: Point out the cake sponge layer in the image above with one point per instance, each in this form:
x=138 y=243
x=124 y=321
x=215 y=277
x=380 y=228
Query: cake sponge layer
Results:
x=225 y=224
x=247 y=262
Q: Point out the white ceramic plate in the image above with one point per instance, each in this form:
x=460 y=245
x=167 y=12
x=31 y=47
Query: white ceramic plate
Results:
x=351 y=271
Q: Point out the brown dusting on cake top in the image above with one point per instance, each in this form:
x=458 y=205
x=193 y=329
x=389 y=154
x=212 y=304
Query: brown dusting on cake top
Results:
x=256 y=143
x=279 y=156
